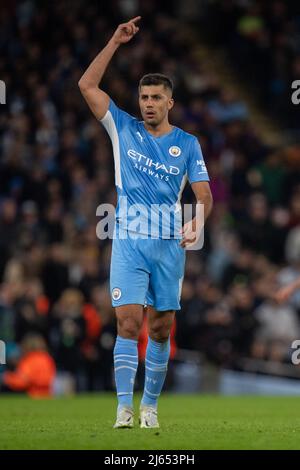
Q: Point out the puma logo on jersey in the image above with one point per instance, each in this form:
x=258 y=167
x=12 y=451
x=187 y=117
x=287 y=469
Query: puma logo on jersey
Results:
x=140 y=136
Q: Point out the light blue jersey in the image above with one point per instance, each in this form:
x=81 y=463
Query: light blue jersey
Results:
x=151 y=173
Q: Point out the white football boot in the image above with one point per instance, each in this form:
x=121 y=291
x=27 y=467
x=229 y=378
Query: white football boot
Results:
x=148 y=417
x=125 y=415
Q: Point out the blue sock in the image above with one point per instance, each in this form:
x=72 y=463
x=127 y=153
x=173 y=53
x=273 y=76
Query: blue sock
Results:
x=125 y=362
x=156 y=365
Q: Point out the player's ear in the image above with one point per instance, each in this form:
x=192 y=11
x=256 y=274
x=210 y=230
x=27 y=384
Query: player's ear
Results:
x=170 y=104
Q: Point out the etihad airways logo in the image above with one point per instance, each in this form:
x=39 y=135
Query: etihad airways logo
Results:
x=149 y=166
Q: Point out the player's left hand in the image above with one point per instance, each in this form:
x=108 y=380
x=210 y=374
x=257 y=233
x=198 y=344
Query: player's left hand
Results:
x=190 y=234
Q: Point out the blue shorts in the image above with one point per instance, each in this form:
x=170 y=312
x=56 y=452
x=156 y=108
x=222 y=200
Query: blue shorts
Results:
x=147 y=272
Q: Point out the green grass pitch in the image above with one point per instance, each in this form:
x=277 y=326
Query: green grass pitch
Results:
x=187 y=422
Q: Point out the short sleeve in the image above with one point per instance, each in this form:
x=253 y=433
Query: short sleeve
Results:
x=115 y=119
x=196 y=168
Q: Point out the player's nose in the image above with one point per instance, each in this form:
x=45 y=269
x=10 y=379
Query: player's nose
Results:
x=149 y=103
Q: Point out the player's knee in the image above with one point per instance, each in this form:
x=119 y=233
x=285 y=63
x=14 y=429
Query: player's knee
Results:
x=159 y=338
x=159 y=332
x=129 y=328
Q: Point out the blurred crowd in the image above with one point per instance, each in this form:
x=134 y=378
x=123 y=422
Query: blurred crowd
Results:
x=263 y=40
x=56 y=167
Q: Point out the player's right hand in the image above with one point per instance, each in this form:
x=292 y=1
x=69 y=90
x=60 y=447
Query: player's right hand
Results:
x=125 y=31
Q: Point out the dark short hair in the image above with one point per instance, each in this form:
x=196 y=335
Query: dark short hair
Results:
x=156 y=79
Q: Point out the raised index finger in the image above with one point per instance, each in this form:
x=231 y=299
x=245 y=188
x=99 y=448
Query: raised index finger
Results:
x=134 y=20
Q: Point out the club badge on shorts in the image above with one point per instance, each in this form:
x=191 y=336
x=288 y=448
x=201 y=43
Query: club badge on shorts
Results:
x=116 y=293
x=174 y=151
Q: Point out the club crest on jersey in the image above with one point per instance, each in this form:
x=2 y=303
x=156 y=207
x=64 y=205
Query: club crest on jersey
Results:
x=116 y=293
x=174 y=151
